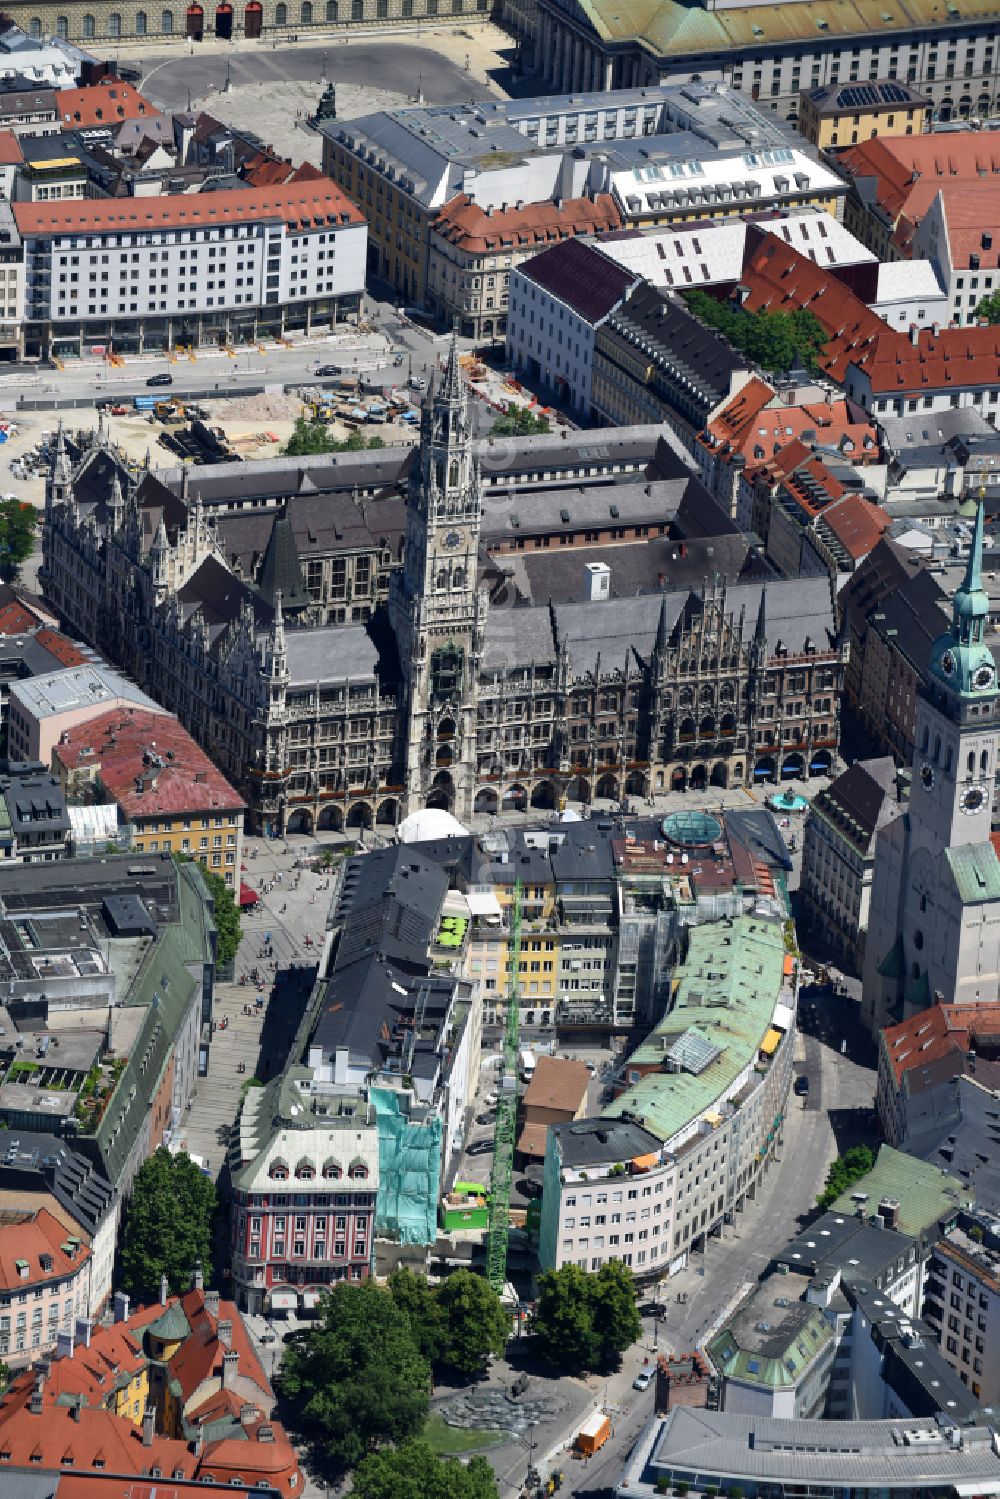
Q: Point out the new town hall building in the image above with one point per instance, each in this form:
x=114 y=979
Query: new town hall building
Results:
x=467 y=626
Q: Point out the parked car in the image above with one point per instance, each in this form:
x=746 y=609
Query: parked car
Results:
x=643 y=1379
x=161 y=379
x=327 y=371
x=480 y=1147
x=801 y=1086
x=488 y=1118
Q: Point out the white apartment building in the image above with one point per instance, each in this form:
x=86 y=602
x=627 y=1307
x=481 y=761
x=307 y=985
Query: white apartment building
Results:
x=128 y=275
x=684 y=1146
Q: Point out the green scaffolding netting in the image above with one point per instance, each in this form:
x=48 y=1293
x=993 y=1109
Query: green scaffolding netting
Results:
x=409 y=1158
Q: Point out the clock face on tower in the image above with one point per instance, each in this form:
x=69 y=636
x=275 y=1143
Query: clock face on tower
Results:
x=973 y=799
x=984 y=677
x=948 y=664
x=453 y=539
x=927 y=776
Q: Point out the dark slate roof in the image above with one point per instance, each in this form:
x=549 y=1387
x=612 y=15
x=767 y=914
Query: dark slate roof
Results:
x=914 y=615
x=756 y=830
x=213 y=592
x=281 y=571
x=579 y=275
x=859 y=1250
x=389 y=904
x=35 y=804
x=591 y=1142
x=956 y=1125
x=320 y=524
x=681 y=341
x=860 y=796
x=30 y=1160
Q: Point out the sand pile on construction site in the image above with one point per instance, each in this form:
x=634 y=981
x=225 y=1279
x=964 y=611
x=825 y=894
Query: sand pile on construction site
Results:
x=261 y=408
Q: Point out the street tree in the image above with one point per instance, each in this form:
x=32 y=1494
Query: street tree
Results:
x=414 y=1295
x=357 y=1379
x=473 y=1323
x=989 y=308
x=17 y=535
x=844 y=1172
x=415 y=1470
x=563 y=1322
x=586 y=1321
x=615 y=1316
x=168 y=1226
x=519 y=421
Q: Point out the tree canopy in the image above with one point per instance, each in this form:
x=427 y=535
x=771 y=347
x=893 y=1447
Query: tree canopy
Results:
x=775 y=340
x=17 y=535
x=357 y=1379
x=456 y=1325
x=989 y=307
x=414 y=1469
x=844 y=1172
x=586 y=1321
x=313 y=437
x=227 y=916
x=519 y=421
x=168 y=1226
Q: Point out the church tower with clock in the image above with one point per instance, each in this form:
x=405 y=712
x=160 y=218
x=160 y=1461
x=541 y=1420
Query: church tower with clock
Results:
x=437 y=610
x=934 y=929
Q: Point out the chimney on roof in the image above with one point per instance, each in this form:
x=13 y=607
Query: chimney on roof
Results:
x=265 y=1433
x=212 y=1303
x=121 y=1306
x=164 y=1290
x=230 y=1368
x=197 y=1277
x=914 y=334
x=199 y=1441
x=148 y=1426
x=74 y=1409
x=64 y=1343
x=225 y=1333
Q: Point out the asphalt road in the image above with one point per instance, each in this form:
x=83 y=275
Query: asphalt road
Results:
x=170 y=79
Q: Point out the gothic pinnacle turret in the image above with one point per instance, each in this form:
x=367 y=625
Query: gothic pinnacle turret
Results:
x=452 y=388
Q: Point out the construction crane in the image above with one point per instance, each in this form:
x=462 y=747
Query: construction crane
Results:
x=506 y=1125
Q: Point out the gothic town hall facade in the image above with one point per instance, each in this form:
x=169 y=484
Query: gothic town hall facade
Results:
x=448 y=691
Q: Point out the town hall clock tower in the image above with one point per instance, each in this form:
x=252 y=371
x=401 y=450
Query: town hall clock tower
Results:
x=438 y=612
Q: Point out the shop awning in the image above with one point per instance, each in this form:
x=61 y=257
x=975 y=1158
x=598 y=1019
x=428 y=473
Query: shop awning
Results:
x=771 y=1042
x=248 y=895
x=455 y=904
x=782 y=1017
x=789 y=967
x=484 y=903
x=645 y=1162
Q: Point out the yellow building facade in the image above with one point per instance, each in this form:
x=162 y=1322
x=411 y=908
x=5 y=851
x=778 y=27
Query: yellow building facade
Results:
x=844 y=114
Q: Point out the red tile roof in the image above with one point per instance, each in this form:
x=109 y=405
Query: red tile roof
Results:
x=936 y=1032
x=905 y=166
x=10 y=149
x=302 y=205
x=466 y=224
x=74 y=1430
x=779 y=279
x=748 y=425
x=123 y=744
x=971 y=212
x=200 y=1355
x=60 y=646
x=26 y=1237
x=15 y=619
x=857 y=523
x=104 y=103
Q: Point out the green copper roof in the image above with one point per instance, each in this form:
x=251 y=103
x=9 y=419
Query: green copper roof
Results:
x=893 y=964
x=924 y=1192
x=173 y=1326
x=960 y=657
x=726 y=992
x=778 y=1359
x=976 y=870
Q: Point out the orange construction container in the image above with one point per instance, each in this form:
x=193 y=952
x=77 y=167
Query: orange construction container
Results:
x=593 y=1433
